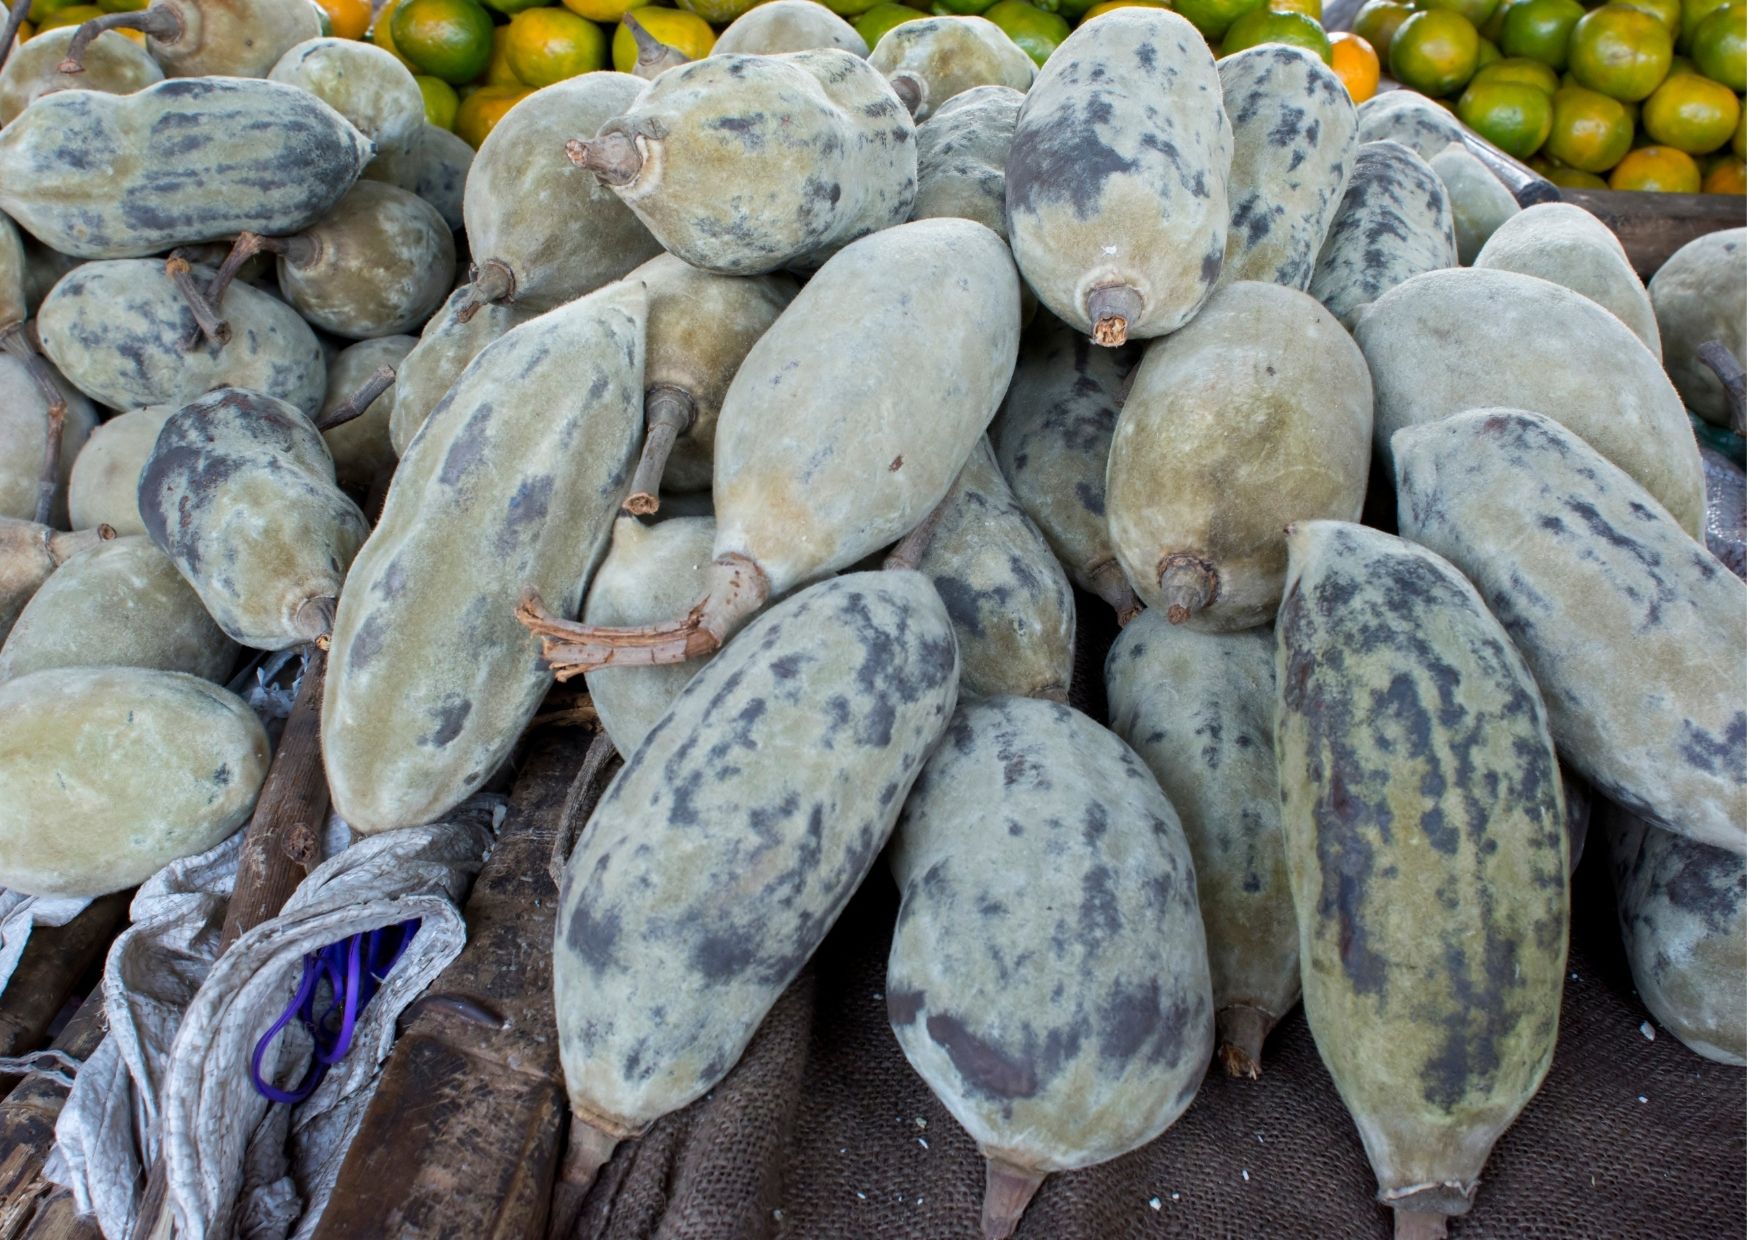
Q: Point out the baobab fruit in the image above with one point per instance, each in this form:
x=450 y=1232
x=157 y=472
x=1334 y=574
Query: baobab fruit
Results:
x=114 y=64
x=931 y=60
x=15 y=303
x=780 y=26
x=1698 y=299
x=104 y=486
x=367 y=86
x=360 y=447
x=436 y=170
x=1410 y=119
x=456 y=334
x=210 y=38
x=24 y=430
x=1480 y=203
x=1394 y=222
x=962 y=156
x=28 y=554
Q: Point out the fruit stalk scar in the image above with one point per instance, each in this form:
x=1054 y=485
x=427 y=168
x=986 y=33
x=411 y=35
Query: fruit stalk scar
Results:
x=1240 y=1031
x=612 y=157
x=911 y=90
x=314 y=620
x=1007 y=1190
x=1110 y=584
x=653 y=56
x=586 y=1153
x=493 y=284
x=908 y=553
x=1189 y=583
x=668 y=413
x=161 y=23
x=1111 y=309
x=378 y=382
x=14 y=340
x=738 y=588
x=1716 y=355
x=298 y=250
x=204 y=308
x=1420 y=1225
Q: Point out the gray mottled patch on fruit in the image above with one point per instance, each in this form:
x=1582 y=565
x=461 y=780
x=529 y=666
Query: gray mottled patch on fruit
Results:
x=365 y=84
x=445 y=348
x=1635 y=632
x=1408 y=118
x=385 y=261
x=1051 y=987
x=1394 y=222
x=951 y=55
x=116 y=66
x=749 y=814
x=1426 y=844
x=962 y=154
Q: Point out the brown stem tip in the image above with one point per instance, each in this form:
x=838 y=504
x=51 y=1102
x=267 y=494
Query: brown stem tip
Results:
x=158 y=22
x=493 y=283
x=1240 y=1031
x=911 y=90
x=668 y=413
x=612 y=157
x=378 y=382
x=1007 y=1191
x=653 y=56
x=314 y=621
x=1420 y=1225
x=207 y=321
x=1188 y=583
x=1108 y=582
x=587 y=1152
x=1112 y=309
x=14 y=22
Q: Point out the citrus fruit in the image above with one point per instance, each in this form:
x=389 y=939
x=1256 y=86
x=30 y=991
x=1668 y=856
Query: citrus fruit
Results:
x=41 y=10
x=131 y=6
x=498 y=71
x=1378 y=21
x=382 y=33
x=1310 y=8
x=440 y=101
x=1261 y=26
x=1693 y=12
x=1435 y=52
x=1739 y=143
x=1038 y=33
x=1513 y=116
x=1355 y=62
x=687 y=33
x=878 y=20
x=1720 y=43
x=449 y=39
x=73 y=15
x=1666 y=11
x=1477 y=11
x=1487 y=54
x=1658 y=169
x=1494 y=26
x=347 y=19
x=1522 y=70
x=721 y=12
x=1575 y=178
x=602 y=11
x=1099 y=10
x=1539 y=30
x=1621 y=51
x=1691 y=113
x=1725 y=174
x=1214 y=17
x=958 y=8
x=1590 y=132
x=550 y=45
x=1068 y=10
x=483 y=108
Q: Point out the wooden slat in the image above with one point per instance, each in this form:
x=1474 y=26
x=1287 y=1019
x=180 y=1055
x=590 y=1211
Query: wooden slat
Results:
x=27 y=1134
x=462 y=1137
x=1654 y=226
x=55 y=961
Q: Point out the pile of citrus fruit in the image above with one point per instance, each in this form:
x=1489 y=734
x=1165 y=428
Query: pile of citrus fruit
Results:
x=1632 y=95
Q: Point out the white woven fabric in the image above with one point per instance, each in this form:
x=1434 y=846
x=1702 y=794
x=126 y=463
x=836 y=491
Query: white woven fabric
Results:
x=20 y=914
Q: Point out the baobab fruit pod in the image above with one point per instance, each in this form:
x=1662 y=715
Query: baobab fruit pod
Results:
x=962 y=156
x=1681 y=909
x=931 y=60
x=184 y=161
x=28 y=554
x=15 y=304
x=1293 y=147
x=1053 y=439
x=108 y=774
x=1009 y=600
x=1635 y=632
x=430 y=678
x=779 y=26
x=542 y=230
x=1410 y=119
x=366 y=85
x=452 y=339
x=119 y=604
x=104 y=487
x=1394 y=222
x=1031 y=825
x=1257 y=414
x=43 y=268
x=651 y=572
x=839 y=433
x=1116 y=181
x=755 y=808
x=1199 y=709
x=239 y=492
x=1426 y=844
x=436 y=170
x=747 y=164
x=122 y=334
x=1698 y=299
x=213 y=38
x=114 y=64
x=360 y=447
x=24 y=432
x=1480 y=203
x=1528 y=331
x=701 y=326
x=1726 y=520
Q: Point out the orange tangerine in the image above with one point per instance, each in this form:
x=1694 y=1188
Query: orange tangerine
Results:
x=1590 y=132
x=1659 y=169
x=1355 y=62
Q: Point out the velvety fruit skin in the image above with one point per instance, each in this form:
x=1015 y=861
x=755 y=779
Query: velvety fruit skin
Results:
x=15 y=300
x=1480 y=203
x=24 y=428
x=1635 y=632
x=1117 y=174
x=430 y=678
x=756 y=163
x=726 y=847
x=1681 y=908
x=184 y=161
x=945 y=56
x=651 y=573
x=1567 y=245
x=1453 y=340
x=1410 y=118
x=779 y=26
x=108 y=774
x=559 y=230
x=120 y=604
x=114 y=64
x=118 y=331
x=962 y=156
x=1257 y=414
x=445 y=347
x=239 y=492
x=1293 y=149
x=1010 y=602
x=28 y=554
x=104 y=486
x=1030 y=826
x=1698 y=298
x=366 y=85
x=436 y=170
x=1426 y=842
x=1199 y=708
x=232 y=38
x=361 y=448
x=1394 y=222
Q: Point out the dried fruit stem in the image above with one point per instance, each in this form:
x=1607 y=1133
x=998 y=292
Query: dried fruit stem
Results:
x=909 y=551
x=298 y=251
x=1716 y=355
x=1420 y=1225
x=314 y=620
x=1189 y=583
x=1007 y=1191
x=493 y=282
x=1111 y=310
x=158 y=22
x=64 y=545
x=612 y=157
x=653 y=56
x=911 y=90
x=738 y=588
x=206 y=317
x=14 y=20
x=1109 y=584
x=16 y=342
x=586 y=1153
x=379 y=381
x=668 y=413
x=1239 y=1031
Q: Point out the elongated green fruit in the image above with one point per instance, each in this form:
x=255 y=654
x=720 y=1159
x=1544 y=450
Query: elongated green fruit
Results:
x=1048 y=975
x=24 y=432
x=962 y=157
x=1409 y=119
x=1636 y=633
x=104 y=487
x=369 y=87
x=1426 y=841
x=14 y=275
x=361 y=448
x=1394 y=222
x=1199 y=709
x=456 y=335
x=1479 y=202
x=221 y=38
x=1697 y=299
x=935 y=59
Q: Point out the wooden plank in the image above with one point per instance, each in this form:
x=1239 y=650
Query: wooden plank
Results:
x=1654 y=226
x=27 y=1130
x=55 y=961
x=462 y=1137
